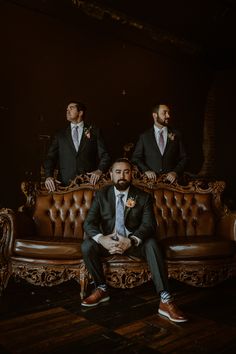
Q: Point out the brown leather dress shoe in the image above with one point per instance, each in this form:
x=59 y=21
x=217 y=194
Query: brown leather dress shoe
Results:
x=96 y=298
x=170 y=310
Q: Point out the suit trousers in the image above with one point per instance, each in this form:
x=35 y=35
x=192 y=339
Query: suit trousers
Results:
x=149 y=250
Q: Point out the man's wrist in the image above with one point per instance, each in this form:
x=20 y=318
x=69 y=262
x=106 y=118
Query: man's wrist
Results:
x=96 y=237
x=134 y=241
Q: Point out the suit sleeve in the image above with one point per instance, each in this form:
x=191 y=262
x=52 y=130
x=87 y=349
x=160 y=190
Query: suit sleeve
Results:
x=104 y=159
x=51 y=160
x=93 y=219
x=138 y=156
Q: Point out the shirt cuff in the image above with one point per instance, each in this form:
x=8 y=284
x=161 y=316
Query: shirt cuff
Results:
x=138 y=241
x=96 y=237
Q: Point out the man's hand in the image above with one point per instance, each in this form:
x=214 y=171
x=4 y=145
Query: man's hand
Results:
x=50 y=184
x=109 y=243
x=171 y=177
x=151 y=175
x=115 y=244
x=123 y=244
x=94 y=176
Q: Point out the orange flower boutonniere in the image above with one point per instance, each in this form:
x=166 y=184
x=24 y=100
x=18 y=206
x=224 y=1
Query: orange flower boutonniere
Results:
x=171 y=136
x=87 y=131
x=130 y=203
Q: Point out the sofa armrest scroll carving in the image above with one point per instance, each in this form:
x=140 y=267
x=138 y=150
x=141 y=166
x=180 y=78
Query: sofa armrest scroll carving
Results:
x=8 y=233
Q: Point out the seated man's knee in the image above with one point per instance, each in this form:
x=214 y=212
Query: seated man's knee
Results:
x=151 y=242
x=87 y=246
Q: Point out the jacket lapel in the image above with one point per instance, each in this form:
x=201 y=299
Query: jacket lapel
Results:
x=153 y=141
x=84 y=139
x=169 y=142
x=112 y=205
x=133 y=196
x=69 y=139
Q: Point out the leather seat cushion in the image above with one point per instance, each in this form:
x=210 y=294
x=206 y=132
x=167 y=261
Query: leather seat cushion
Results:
x=48 y=249
x=197 y=247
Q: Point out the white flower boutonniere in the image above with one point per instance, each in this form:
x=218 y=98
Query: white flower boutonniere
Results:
x=130 y=203
x=87 y=131
x=171 y=136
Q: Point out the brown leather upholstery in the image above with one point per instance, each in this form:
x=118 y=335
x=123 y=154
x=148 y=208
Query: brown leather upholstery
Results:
x=197 y=248
x=62 y=215
x=48 y=248
x=41 y=243
x=183 y=214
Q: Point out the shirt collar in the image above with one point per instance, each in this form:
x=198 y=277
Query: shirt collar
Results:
x=123 y=192
x=80 y=125
x=157 y=130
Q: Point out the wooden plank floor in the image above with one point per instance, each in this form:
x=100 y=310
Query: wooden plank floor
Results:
x=51 y=320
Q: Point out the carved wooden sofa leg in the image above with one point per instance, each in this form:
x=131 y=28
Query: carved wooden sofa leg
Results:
x=4 y=277
x=83 y=280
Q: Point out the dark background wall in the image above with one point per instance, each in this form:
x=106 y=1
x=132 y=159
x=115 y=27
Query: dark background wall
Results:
x=48 y=59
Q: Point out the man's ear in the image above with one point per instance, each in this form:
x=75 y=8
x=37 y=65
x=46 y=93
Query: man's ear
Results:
x=154 y=115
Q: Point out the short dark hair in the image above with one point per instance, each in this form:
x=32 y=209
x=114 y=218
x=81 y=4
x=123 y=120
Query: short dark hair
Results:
x=122 y=159
x=79 y=105
x=155 y=108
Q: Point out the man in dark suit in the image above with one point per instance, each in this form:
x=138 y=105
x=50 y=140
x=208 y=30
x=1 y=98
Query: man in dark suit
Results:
x=160 y=149
x=80 y=149
x=121 y=221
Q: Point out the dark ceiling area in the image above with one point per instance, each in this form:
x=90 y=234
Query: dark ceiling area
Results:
x=206 y=22
x=203 y=26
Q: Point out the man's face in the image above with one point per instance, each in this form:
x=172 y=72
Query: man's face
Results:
x=162 y=117
x=121 y=175
x=72 y=113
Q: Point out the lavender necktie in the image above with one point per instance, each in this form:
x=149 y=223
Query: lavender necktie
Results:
x=161 y=142
x=75 y=137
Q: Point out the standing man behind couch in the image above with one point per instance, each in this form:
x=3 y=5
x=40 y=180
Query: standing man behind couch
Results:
x=160 y=149
x=80 y=149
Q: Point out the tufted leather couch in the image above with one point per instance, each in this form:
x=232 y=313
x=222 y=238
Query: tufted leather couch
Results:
x=41 y=241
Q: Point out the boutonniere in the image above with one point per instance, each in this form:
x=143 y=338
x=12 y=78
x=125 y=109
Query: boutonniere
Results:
x=130 y=202
x=171 y=136
x=87 y=131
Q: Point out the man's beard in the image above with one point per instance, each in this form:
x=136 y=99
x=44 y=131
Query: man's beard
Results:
x=122 y=184
x=164 y=122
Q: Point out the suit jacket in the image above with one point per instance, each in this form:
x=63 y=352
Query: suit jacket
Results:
x=139 y=220
x=92 y=155
x=148 y=157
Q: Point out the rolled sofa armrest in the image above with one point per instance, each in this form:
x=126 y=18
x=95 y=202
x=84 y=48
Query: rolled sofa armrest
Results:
x=226 y=227
x=13 y=225
x=8 y=227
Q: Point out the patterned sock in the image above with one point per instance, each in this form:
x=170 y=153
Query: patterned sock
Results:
x=103 y=287
x=165 y=296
